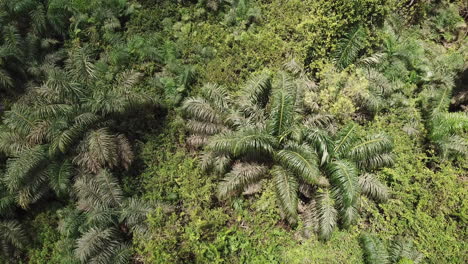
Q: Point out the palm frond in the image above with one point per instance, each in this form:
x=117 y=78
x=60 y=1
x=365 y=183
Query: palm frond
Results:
x=93 y=242
x=374 y=250
x=373 y=188
x=257 y=90
x=242 y=142
x=19 y=118
x=402 y=248
x=79 y=64
x=376 y=161
x=12 y=143
x=216 y=95
x=6 y=81
x=97 y=150
x=367 y=150
x=348 y=48
x=302 y=160
x=201 y=110
x=13 y=233
x=133 y=213
x=124 y=151
x=7 y=201
x=101 y=191
x=241 y=176
x=128 y=79
x=60 y=174
x=372 y=60
x=322 y=143
x=327 y=214
x=344 y=180
x=197 y=140
x=452 y=146
x=286 y=188
x=205 y=128
x=29 y=162
x=321 y=121
x=345 y=139
x=283 y=106
x=117 y=253
x=446 y=124
x=310 y=218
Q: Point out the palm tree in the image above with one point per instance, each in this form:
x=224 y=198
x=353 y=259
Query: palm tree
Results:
x=103 y=221
x=399 y=251
x=265 y=133
x=31 y=31
x=12 y=238
x=400 y=57
x=64 y=125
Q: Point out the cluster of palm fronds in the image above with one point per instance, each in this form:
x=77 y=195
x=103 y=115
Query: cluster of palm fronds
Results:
x=66 y=121
x=60 y=138
x=400 y=250
x=102 y=222
x=266 y=133
x=30 y=34
x=242 y=12
x=61 y=129
x=416 y=74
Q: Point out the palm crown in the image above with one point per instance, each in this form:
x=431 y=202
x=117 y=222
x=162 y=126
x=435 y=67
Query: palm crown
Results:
x=62 y=123
x=268 y=134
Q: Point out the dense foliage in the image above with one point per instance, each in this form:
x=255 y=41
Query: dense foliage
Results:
x=233 y=131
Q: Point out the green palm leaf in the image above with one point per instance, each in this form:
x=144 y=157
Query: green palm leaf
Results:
x=283 y=106
x=243 y=142
x=344 y=178
x=257 y=90
x=373 y=188
x=206 y=128
x=201 y=110
x=13 y=233
x=348 y=48
x=101 y=191
x=97 y=150
x=371 y=145
x=286 y=187
x=93 y=242
x=134 y=212
x=216 y=95
x=19 y=169
x=60 y=174
x=241 y=176
x=374 y=250
x=404 y=249
x=322 y=142
x=327 y=214
x=345 y=140
x=368 y=150
x=302 y=160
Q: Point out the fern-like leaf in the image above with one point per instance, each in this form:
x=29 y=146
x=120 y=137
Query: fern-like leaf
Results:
x=241 y=176
x=286 y=187
x=373 y=188
x=302 y=160
x=374 y=250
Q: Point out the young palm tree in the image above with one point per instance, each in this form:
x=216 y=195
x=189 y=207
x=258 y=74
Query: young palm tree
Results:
x=400 y=57
x=64 y=125
x=265 y=133
x=12 y=238
x=31 y=30
x=399 y=251
x=103 y=221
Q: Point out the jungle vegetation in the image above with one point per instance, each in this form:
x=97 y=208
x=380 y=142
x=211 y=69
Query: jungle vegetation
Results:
x=233 y=131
